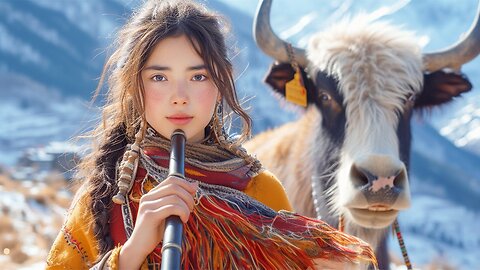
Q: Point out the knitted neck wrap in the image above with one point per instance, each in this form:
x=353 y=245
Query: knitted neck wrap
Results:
x=207 y=155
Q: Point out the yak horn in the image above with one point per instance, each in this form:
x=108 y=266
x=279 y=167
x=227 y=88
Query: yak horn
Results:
x=268 y=41
x=458 y=54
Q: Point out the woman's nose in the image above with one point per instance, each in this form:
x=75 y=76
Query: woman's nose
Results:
x=180 y=96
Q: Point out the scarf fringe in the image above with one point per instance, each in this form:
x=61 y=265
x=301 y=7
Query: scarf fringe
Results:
x=229 y=231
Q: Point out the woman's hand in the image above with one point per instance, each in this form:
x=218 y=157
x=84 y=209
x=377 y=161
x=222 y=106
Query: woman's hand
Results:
x=174 y=196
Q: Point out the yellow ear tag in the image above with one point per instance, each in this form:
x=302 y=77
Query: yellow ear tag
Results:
x=295 y=92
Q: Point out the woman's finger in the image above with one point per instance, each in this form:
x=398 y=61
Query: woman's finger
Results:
x=175 y=209
x=188 y=203
x=169 y=190
x=191 y=187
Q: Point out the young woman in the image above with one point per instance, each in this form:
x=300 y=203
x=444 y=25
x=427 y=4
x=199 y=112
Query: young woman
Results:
x=170 y=71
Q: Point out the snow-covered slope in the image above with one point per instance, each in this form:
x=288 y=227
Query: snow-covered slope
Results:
x=31 y=115
x=462 y=123
x=44 y=45
x=438 y=229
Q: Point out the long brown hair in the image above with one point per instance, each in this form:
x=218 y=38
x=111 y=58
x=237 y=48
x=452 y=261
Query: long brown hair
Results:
x=124 y=109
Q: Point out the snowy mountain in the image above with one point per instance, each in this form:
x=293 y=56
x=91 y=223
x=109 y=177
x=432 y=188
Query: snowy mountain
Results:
x=44 y=45
x=32 y=115
x=462 y=125
x=443 y=169
x=51 y=54
x=49 y=67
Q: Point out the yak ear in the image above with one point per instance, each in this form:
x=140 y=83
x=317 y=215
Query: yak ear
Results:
x=281 y=73
x=278 y=75
x=441 y=87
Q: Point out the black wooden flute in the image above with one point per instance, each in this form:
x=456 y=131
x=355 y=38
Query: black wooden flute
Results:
x=172 y=237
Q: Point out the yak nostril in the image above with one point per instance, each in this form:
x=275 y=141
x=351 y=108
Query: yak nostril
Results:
x=360 y=176
x=400 y=179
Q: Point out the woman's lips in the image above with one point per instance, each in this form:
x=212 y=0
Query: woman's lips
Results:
x=180 y=119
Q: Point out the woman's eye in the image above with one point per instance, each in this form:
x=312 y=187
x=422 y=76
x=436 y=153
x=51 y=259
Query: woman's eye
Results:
x=199 y=77
x=159 y=78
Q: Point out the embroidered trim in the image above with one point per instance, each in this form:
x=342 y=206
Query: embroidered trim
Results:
x=71 y=241
x=127 y=218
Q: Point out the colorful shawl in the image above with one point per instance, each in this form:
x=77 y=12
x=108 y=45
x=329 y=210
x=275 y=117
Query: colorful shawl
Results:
x=228 y=229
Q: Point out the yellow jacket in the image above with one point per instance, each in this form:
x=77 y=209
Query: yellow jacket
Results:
x=76 y=246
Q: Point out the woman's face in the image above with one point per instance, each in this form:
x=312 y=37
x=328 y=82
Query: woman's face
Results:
x=179 y=93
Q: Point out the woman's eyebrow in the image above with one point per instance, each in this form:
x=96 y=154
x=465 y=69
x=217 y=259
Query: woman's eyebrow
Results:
x=197 y=67
x=157 y=67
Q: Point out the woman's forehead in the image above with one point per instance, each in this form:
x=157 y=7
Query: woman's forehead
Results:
x=175 y=51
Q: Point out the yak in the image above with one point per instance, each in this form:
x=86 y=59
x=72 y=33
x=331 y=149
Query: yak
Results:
x=348 y=154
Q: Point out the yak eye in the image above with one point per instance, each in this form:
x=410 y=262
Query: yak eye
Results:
x=324 y=97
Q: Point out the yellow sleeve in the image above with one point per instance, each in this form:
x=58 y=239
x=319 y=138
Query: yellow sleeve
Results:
x=266 y=188
x=75 y=246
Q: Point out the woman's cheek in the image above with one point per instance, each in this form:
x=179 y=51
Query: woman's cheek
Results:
x=209 y=93
x=155 y=94
x=154 y=101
